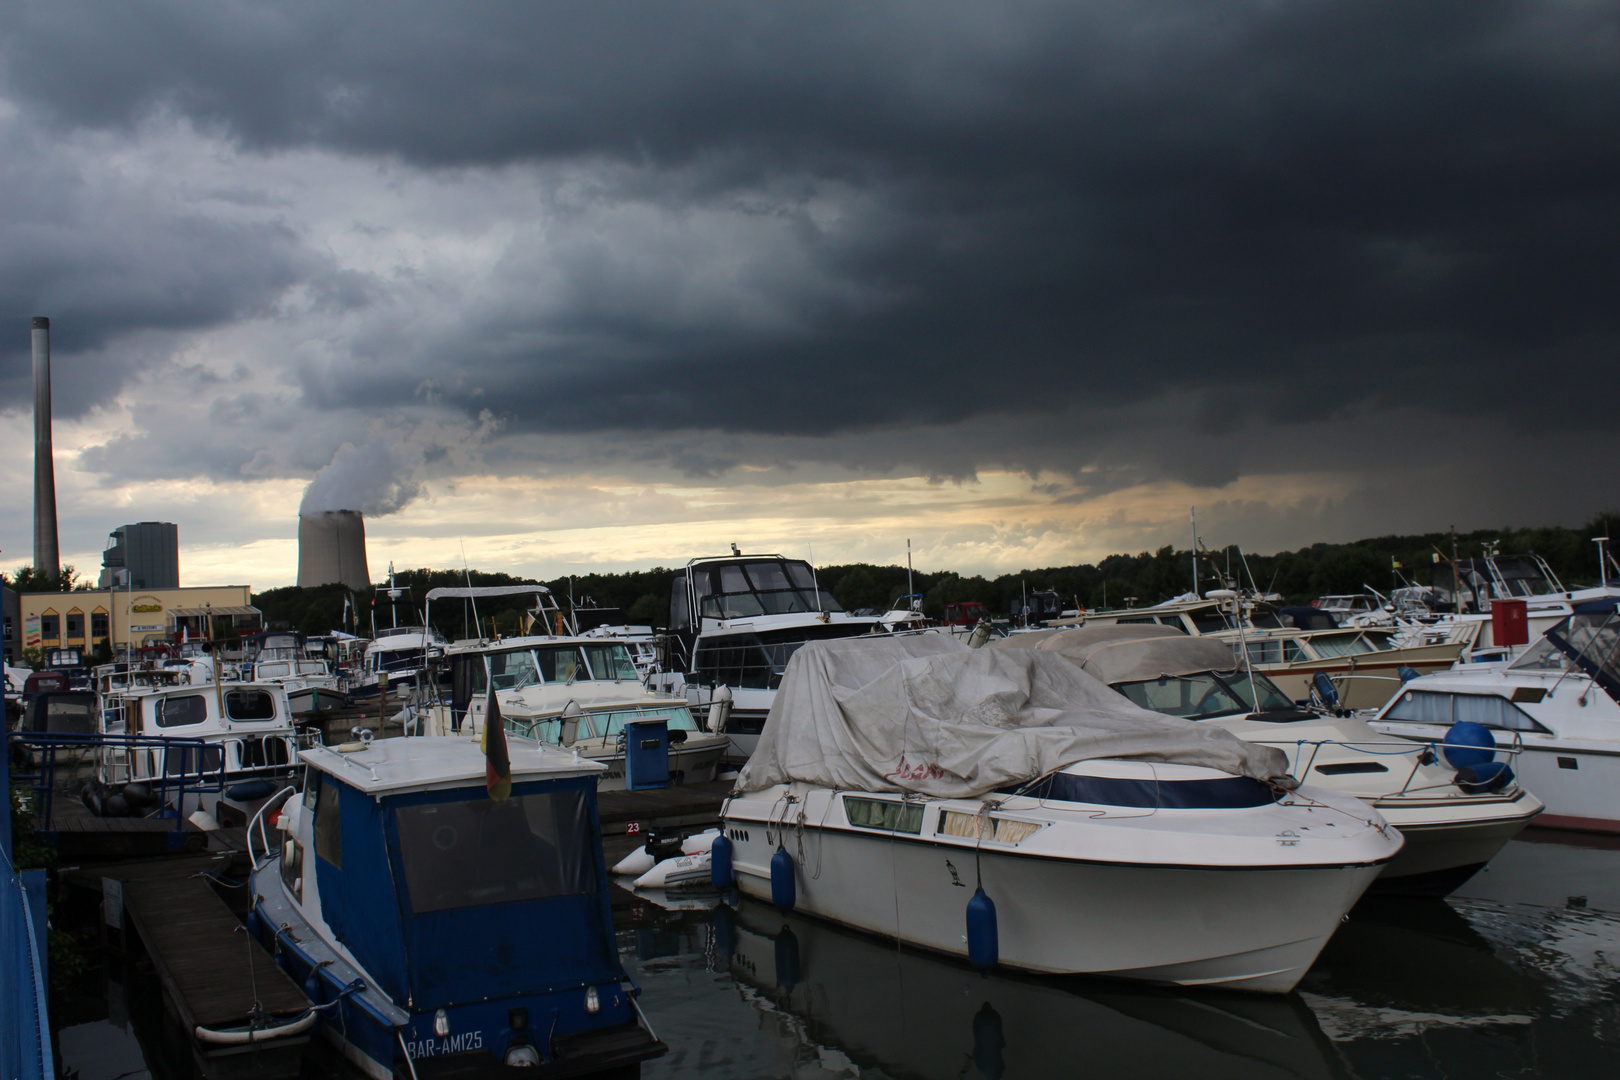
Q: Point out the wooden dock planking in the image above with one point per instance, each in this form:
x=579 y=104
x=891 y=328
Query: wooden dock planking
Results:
x=210 y=966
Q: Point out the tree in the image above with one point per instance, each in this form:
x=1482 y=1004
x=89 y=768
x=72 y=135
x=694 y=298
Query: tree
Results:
x=28 y=580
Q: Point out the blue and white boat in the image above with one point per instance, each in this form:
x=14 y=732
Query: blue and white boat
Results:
x=442 y=932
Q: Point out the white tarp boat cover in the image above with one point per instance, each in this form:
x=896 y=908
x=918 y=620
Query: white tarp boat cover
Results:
x=925 y=713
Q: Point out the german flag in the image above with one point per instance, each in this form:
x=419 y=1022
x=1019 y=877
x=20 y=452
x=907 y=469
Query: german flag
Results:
x=497 y=762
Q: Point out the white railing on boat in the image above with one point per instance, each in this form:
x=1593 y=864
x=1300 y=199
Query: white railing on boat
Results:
x=258 y=829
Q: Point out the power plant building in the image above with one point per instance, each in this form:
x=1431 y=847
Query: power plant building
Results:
x=145 y=555
x=332 y=549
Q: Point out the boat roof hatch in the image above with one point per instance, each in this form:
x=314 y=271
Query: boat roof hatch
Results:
x=433 y=764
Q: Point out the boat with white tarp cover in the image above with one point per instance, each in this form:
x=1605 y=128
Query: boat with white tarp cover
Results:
x=917 y=788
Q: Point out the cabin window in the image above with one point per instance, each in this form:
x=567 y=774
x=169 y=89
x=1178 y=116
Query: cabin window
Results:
x=611 y=724
x=467 y=854
x=250 y=705
x=1191 y=697
x=610 y=662
x=274 y=671
x=1227 y=793
x=1332 y=645
x=68 y=715
x=180 y=711
x=292 y=869
x=1207 y=622
x=512 y=670
x=884 y=814
x=328 y=827
x=259 y=753
x=1429 y=707
x=561 y=665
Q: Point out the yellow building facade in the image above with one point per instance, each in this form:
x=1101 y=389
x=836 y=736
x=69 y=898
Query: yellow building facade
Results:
x=141 y=616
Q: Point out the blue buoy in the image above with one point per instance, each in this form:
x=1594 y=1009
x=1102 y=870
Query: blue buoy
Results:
x=312 y=985
x=1406 y=673
x=1325 y=690
x=1486 y=777
x=787 y=959
x=984 y=946
x=254 y=927
x=783 y=886
x=1468 y=744
x=720 y=871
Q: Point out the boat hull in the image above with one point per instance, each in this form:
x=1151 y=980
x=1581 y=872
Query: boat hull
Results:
x=1578 y=780
x=1440 y=855
x=1253 y=929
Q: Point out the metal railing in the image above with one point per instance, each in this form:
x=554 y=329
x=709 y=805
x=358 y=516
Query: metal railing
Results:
x=258 y=828
x=197 y=773
x=1422 y=753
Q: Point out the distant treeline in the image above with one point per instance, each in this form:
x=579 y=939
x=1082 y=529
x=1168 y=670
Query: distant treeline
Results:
x=1146 y=578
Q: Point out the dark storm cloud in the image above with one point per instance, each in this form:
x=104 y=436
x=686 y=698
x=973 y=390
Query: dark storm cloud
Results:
x=1283 y=208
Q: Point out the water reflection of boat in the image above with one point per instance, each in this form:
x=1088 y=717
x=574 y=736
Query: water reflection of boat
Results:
x=1399 y=967
x=910 y=1013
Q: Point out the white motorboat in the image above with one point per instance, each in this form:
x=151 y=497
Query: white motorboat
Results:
x=401 y=655
x=247 y=738
x=1555 y=709
x=1366 y=664
x=573 y=692
x=1451 y=832
x=896 y=779
x=735 y=621
x=284 y=656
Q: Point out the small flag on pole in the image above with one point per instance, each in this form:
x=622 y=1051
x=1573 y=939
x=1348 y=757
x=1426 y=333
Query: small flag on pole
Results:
x=497 y=764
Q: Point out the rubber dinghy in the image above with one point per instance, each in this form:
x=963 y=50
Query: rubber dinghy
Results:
x=1006 y=807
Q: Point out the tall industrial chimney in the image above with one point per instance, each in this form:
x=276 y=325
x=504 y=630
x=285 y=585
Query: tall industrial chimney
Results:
x=47 y=555
x=332 y=548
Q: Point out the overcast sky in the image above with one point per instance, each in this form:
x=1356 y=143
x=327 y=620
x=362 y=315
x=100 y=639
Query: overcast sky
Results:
x=561 y=286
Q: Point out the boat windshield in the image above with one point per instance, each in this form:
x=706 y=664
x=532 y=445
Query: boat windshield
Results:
x=1328 y=646
x=517 y=668
x=607 y=722
x=759 y=587
x=1204 y=695
x=478 y=852
x=1591 y=640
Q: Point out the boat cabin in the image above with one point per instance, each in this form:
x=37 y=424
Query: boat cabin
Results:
x=479 y=929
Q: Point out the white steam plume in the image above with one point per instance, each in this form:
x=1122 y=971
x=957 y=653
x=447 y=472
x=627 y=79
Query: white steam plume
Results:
x=385 y=474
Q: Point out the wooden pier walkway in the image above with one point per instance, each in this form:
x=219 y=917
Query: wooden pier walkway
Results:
x=214 y=974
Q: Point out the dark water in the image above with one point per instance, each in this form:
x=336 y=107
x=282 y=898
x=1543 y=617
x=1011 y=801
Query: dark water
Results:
x=1516 y=975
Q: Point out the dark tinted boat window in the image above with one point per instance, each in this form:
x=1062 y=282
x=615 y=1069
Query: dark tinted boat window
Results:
x=250 y=705
x=328 y=830
x=1226 y=793
x=465 y=854
x=180 y=711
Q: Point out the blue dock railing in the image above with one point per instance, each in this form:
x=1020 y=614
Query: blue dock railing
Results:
x=25 y=1028
x=189 y=767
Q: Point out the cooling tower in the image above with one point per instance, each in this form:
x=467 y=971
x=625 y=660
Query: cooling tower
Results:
x=332 y=548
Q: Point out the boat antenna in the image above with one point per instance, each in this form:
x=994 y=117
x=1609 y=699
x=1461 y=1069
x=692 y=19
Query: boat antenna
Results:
x=814 y=580
x=910 y=590
x=466 y=572
x=1192 y=521
x=1244 y=559
x=1603 y=564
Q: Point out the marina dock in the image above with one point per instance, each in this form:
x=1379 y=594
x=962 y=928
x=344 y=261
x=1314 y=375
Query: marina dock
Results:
x=214 y=974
